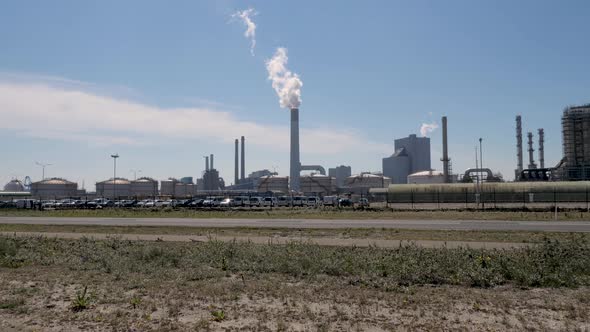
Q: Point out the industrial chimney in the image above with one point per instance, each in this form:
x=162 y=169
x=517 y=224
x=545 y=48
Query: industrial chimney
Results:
x=211 y=165
x=518 y=145
x=445 y=159
x=206 y=163
x=541 y=148
x=532 y=164
x=237 y=167
x=243 y=167
x=295 y=162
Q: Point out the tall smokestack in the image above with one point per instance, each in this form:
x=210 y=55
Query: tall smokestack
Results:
x=445 y=159
x=206 y=163
x=211 y=165
x=295 y=162
x=518 y=145
x=531 y=150
x=541 y=148
x=243 y=167
x=237 y=165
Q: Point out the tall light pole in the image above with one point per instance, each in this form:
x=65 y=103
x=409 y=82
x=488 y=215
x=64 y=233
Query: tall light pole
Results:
x=480 y=158
x=115 y=156
x=481 y=167
x=135 y=171
x=43 y=168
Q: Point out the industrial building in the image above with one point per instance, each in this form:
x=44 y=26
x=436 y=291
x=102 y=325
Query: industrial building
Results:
x=177 y=188
x=114 y=188
x=575 y=124
x=273 y=183
x=361 y=183
x=14 y=185
x=533 y=172
x=210 y=180
x=54 y=188
x=144 y=187
x=317 y=184
x=340 y=173
x=412 y=154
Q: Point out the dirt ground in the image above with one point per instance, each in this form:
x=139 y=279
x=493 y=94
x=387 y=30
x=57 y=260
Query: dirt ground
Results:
x=40 y=299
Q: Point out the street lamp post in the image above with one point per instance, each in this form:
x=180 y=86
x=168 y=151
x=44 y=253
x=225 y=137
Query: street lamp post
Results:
x=481 y=167
x=115 y=156
x=135 y=171
x=43 y=169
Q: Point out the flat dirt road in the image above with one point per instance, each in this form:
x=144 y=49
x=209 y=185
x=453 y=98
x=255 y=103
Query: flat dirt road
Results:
x=489 y=225
x=358 y=242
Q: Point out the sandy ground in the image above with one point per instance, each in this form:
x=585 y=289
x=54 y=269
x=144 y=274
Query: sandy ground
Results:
x=43 y=298
x=278 y=240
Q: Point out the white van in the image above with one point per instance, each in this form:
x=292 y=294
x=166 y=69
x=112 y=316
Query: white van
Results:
x=284 y=201
x=330 y=200
x=255 y=201
x=299 y=201
x=269 y=201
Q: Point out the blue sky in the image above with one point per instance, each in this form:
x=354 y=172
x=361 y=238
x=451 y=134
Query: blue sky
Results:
x=75 y=75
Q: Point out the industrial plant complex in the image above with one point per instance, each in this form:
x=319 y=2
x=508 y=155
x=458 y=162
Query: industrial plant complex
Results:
x=406 y=169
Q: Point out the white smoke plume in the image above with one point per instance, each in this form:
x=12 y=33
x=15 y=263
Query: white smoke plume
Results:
x=286 y=84
x=246 y=17
x=428 y=128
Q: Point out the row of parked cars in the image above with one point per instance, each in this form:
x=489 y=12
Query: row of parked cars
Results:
x=208 y=202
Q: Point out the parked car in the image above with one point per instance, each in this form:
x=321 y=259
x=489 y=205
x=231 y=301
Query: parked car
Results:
x=299 y=201
x=269 y=201
x=48 y=204
x=330 y=200
x=196 y=203
x=228 y=202
x=284 y=201
x=255 y=201
x=241 y=201
x=363 y=202
x=343 y=202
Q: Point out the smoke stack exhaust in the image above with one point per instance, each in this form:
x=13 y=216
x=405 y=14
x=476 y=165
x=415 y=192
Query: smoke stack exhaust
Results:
x=541 y=148
x=243 y=167
x=237 y=167
x=206 y=163
x=519 y=162
x=445 y=159
x=295 y=162
x=532 y=164
x=211 y=165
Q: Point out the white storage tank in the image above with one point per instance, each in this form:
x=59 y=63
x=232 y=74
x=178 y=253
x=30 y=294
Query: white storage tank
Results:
x=114 y=188
x=144 y=187
x=54 y=188
x=273 y=183
x=14 y=186
x=317 y=184
x=426 y=177
x=361 y=183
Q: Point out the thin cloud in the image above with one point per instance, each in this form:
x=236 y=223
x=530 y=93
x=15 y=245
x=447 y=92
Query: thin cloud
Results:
x=40 y=109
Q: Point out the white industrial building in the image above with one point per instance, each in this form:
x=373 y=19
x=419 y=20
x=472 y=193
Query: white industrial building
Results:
x=361 y=183
x=317 y=184
x=144 y=187
x=114 y=188
x=14 y=186
x=412 y=154
x=175 y=188
x=273 y=183
x=428 y=177
x=54 y=188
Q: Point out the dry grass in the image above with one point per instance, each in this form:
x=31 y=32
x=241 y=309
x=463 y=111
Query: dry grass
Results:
x=351 y=233
x=288 y=213
x=178 y=286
